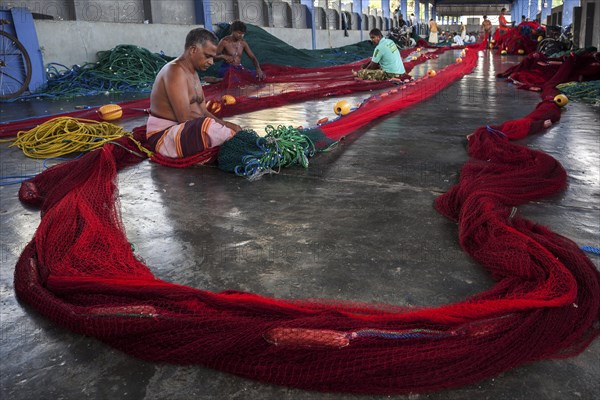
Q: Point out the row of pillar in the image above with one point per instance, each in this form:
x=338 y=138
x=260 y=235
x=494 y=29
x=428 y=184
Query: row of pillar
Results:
x=529 y=8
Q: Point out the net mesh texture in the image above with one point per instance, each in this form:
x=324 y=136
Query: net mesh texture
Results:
x=80 y=271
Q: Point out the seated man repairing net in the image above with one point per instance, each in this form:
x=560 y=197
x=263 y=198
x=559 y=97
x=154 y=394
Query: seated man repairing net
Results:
x=179 y=124
x=232 y=47
x=386 y=62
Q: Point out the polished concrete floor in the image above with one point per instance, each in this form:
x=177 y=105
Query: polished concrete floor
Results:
x=358 y=224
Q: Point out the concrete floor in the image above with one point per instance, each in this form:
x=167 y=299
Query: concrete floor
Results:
x=358 y=224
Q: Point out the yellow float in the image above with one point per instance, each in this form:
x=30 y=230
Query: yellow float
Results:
x=342 y=107
x=561 y=100
x=228 y=99
x=110 y=112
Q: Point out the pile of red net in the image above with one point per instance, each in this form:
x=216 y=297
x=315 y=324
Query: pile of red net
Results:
x=80 y=271
x=522 y=39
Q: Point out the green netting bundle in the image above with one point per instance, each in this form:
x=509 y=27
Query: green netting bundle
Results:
x=586 y=91
x=250 y=155
x=125 y=68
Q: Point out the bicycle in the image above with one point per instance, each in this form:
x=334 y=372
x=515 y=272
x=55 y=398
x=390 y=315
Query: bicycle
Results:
x=558 y=39
x=15 y=65
x=402 y=37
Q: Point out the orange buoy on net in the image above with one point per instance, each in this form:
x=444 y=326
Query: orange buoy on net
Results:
x=459 y=60
x=110 y=112
x=213 y=106
x=431 y=73
x=561 y=100
x=521 y=51
x=322 y=120
x=342 y=107
x=503 y=52
x=228 y=99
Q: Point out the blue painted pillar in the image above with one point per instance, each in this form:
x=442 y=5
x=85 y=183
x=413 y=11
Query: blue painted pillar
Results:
x=533 y=10
x=357 y=7
x=426 y=11
x=203 y=13
x=547 y=10
x=404 y=8
x=385 y=6
x=310 y=19
x=417 y=15
x=515 y=11
x=567 y=17
x=433 y=12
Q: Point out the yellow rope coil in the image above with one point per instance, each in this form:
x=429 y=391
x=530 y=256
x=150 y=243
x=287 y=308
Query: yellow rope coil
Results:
x=64 y=135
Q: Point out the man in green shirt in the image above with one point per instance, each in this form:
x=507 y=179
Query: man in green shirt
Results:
x=386 y=62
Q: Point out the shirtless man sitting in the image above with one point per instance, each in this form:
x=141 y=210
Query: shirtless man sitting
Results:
x=232 y=47
x=179 y=124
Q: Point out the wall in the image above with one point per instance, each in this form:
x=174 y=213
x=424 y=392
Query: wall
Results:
x=76 y=42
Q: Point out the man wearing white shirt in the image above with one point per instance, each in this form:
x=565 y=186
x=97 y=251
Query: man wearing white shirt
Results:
x=457 y=40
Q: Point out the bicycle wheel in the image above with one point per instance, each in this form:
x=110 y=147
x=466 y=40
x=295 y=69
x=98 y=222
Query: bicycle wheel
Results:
x=549 y=46
x=15 y=67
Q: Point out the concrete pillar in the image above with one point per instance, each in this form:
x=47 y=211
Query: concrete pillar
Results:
x=203 y=13
x=310 y=5
x=357 y=7
x=546 y=9
x=417 y=16
x=433 y=12
x=567 y=17
x=385 y=6
x=533 y=10
x=426 y=10
x=404 y=9
x=515 y=10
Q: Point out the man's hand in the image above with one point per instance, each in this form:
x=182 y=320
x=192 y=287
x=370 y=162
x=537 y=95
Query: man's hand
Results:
x=260 y=74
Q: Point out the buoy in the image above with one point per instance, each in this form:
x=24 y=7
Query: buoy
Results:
x=540 y=38
x=521 y=51
x=459 y=60
x=491 y=45
x=213 y=106
x=342 y=107
x=228 y=99
x=110 y=112
x=418 y=49
x=414 y=58
x=431 y=73
x=503 y=52
x=493 y=40
x=322 y=120
x=561 y=100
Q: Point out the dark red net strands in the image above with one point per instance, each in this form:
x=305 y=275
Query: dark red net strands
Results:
x=80 y=271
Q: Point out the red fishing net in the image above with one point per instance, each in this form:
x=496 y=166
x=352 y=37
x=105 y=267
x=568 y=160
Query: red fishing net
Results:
x=80 y=271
